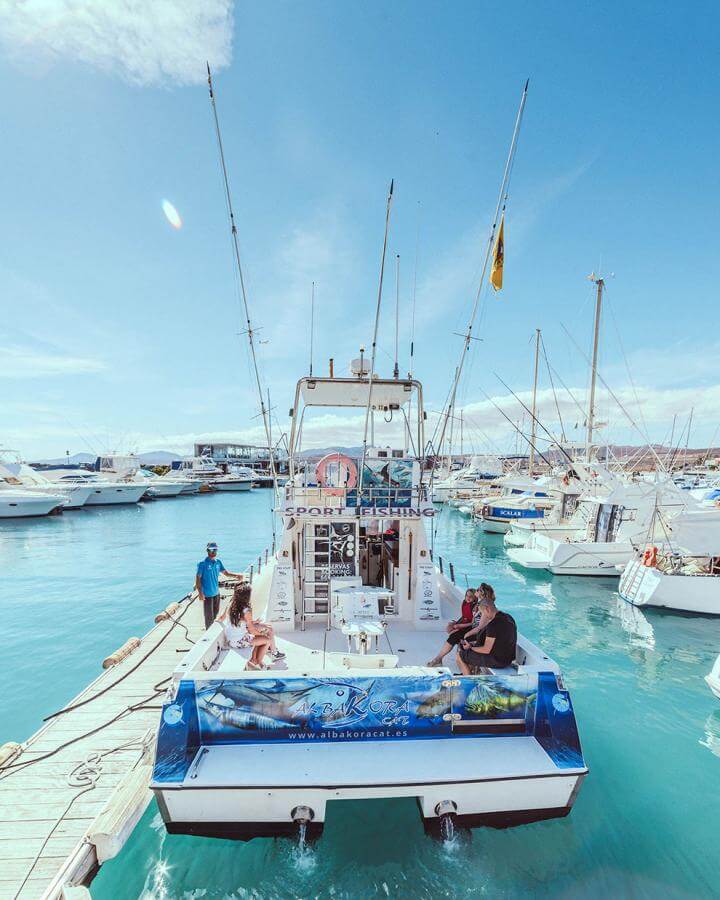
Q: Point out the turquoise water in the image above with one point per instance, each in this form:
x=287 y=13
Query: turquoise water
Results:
x=645 y=822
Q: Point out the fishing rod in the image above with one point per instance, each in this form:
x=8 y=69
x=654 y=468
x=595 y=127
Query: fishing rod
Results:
x=537 y=421
x=243 y=292
x=499 y=211
x=312 y=324
x=375 y=334
x=518 y=431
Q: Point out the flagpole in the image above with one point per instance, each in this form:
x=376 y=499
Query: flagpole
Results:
x=499 y=210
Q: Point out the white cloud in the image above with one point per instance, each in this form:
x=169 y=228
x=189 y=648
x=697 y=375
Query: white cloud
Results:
x=23 y=362
x=143 y=41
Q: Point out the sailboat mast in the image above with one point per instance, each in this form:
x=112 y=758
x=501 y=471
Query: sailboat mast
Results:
x=600 y=282
x=396 y=370
x=533 y=430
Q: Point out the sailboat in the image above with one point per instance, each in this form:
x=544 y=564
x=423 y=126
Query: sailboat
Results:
x=680 y=568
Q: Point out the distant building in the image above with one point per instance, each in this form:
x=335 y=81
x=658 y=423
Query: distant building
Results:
x=244 y=455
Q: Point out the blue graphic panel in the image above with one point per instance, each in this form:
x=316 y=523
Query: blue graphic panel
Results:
x=178 y=736
x=509 y=512
x=555 y=726
x=301 y=709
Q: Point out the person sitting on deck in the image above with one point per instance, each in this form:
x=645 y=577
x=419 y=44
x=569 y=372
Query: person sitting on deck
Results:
x=492 y=643
x=458 y=628
x=242 y=631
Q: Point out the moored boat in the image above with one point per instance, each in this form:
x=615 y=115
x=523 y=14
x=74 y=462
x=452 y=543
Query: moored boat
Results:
x=354 y=712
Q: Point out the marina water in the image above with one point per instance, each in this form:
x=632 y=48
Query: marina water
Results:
x=644 y=825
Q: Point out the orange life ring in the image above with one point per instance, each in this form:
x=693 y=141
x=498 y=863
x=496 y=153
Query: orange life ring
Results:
x=336 y=461
x=650 y=557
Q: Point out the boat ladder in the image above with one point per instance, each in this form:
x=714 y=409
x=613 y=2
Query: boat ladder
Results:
x=635 y=581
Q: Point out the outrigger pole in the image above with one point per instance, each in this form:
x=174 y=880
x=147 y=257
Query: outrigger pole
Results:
x=375 y=334
x=312 y=324
x=236 y=254
x=499 y=210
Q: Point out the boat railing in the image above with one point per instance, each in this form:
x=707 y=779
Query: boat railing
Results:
x=342 y=498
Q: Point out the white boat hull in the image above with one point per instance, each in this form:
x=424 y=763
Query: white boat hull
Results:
x=501 y=781
x=713 y=678
x=232 y=485
x=572 y=558
x=22 y=505
x=172 y=489
x=112 y=494
x=648 y=586
x=494 y=526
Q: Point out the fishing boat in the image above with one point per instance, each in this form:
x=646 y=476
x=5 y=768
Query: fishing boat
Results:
x=681 y=571
x=354 y=712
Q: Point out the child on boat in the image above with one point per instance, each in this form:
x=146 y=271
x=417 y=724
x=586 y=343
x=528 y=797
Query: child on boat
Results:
x=458 y=628
x=491 y=644
x=242 y=631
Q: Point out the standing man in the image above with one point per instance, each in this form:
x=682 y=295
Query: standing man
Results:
x=206 y=582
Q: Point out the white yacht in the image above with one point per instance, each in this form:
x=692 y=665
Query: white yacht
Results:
x=211 y=476
x=682 y=571
x=18 y=502
x=129 y=468
x=353 y=712
x=103 y=491
x=602 y=533
x=570 y=485
x=24 y=477
x=480 y=471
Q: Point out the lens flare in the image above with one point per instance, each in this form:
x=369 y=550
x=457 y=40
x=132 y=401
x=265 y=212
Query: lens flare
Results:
x=172 y=215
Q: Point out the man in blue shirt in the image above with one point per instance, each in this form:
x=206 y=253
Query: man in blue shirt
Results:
x=206 y=582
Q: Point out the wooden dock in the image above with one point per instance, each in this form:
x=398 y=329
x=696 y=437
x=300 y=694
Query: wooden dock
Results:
x=77 y=788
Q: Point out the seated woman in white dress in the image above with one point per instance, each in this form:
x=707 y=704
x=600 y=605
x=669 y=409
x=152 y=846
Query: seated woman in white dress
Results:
x=241 y=631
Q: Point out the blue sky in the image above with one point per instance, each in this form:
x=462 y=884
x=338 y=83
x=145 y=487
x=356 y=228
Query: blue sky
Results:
x=119 y=332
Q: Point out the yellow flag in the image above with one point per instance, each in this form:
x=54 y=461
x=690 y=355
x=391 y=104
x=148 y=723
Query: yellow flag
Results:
x=496 y=273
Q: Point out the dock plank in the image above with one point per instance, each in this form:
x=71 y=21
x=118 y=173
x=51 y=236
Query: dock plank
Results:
x=37 y=817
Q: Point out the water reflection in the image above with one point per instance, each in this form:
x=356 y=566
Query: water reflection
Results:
x=712 y=733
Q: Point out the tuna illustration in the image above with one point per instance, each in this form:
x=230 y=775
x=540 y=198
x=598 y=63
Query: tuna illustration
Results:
x=242 y=719
x=487 y=700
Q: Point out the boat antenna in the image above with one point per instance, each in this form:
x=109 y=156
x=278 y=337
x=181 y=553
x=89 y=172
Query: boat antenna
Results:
x=499 y=210
x=312 y=324
x=375 y=334
x=243 y=293
x=414 y=293
x=396 y=370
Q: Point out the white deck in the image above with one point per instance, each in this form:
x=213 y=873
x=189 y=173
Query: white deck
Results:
x=374 y=763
